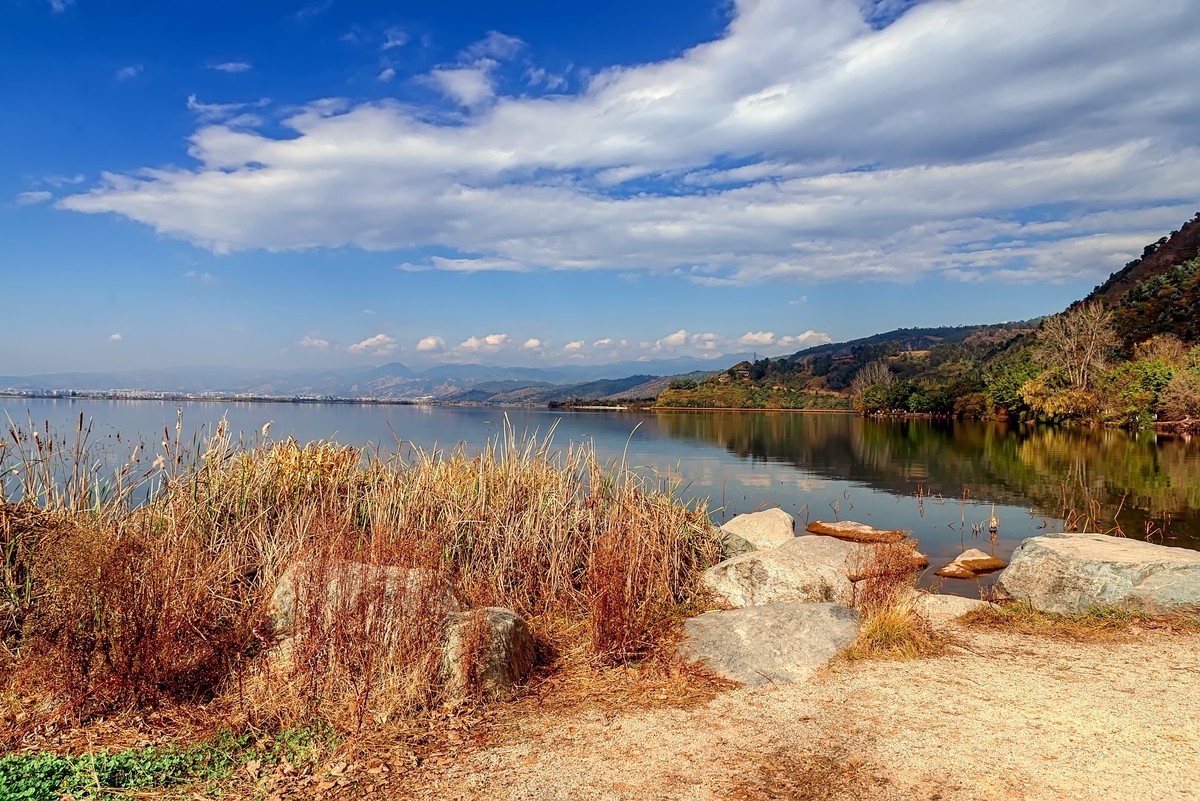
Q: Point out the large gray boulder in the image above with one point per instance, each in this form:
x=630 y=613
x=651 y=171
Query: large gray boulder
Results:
x=487 y=653
x=353 y=587
x=784 y=642
x=758 y=531
x=804 y=570
x=1067 y=573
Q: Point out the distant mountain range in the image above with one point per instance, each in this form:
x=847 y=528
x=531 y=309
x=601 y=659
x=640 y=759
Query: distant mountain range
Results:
x=456 y=383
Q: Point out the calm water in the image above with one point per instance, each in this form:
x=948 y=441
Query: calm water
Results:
x=909 y=474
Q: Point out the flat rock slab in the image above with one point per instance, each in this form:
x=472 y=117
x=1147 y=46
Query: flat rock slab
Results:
x=785 y=642
x=758 y=531
x=855 y=532
x=1067 y=573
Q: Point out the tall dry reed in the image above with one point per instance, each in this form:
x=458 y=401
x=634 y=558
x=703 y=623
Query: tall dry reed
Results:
x=152 y=583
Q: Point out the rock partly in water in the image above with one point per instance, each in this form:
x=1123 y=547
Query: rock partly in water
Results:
x=758 y=531
x=971 y=564
x=325 y=589
x=784 y=642
x=803 y=570
x=855 y=532
x=1067 y=573
x=488 y=653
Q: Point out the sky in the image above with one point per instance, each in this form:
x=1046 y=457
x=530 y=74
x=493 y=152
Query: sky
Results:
x=338 y=183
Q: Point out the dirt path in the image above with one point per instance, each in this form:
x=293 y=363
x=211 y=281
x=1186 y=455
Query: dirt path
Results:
x=998 y=716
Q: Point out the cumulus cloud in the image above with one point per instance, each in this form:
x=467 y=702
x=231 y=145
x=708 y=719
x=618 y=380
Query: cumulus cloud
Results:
x=386 y=75
x=431 y=344
x=532 y=344
x=379 y=345
x=468 y=86
x=575 y=346
x=131 y=71
x=115 y=337
x=855 y=153
x=30 y=198
x=489 y=343
x=607 y=342
x=757 y=338
x=59 y=6
x=315 y=343
x=232 y=66
x=672 y=341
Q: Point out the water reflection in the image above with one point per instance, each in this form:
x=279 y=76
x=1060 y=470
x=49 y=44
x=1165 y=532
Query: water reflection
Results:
x=1082 y=474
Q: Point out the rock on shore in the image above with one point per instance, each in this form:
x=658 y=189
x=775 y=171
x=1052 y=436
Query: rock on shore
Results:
x=1068 y=573
x=758 y=531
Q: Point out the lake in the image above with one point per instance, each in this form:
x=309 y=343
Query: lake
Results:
x=939 y=478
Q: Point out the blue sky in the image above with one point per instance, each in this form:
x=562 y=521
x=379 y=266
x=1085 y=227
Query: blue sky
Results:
x=337 y=183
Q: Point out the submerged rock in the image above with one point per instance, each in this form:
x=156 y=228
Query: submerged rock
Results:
x=488 y=652
x=855 y=532
x=1068 y=573
x=758 y=531
x=783 y=642
x=971 y=564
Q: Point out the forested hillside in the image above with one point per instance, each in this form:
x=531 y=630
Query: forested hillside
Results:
x=1129 y=353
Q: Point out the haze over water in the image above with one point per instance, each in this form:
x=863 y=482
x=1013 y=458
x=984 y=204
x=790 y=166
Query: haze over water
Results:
x=909 y=474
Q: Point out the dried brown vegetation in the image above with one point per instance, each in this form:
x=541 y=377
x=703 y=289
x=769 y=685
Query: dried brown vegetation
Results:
x=112 y=604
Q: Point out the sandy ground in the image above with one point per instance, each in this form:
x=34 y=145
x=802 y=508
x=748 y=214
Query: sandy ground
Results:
x=997 y=716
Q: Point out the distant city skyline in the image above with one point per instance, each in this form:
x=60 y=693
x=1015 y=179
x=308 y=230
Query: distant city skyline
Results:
x=333 y=183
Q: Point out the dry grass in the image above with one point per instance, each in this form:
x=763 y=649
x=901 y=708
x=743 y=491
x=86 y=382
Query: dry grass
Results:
x=891 y=626
x=1101 y=624
x=112 y=604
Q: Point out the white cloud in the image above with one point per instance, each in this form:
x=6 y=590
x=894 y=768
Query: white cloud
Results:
x=208 y=279
x=232 y=66
x=386 y=74
x=856 y=153
x=808 y=339
x=30 y=198
x=431 y=344
x=577 y=345
x=707 y=341
x=131 y=71
x=380 y=345
x=759 y=338
x=59 y=6
x=671 y=341
x=468 y=86
x=115 y=337
x=314 y=343
x=532 y=344
x=487 y=344
x=495 y=45
x=226 y=112
x=394 y=37
x=607 y=342
x=536 y=76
